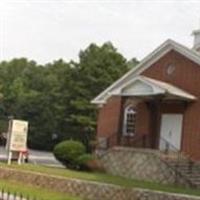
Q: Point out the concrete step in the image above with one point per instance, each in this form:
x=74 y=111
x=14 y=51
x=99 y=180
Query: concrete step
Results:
x=127 y=162
x=183 y=163
x=192 y=173
x=194 y=179
x=186 y=168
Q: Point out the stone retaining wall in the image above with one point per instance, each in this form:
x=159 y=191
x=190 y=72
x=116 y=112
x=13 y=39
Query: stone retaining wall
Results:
x=142 y=164
x=152 y=195
x=86 y=189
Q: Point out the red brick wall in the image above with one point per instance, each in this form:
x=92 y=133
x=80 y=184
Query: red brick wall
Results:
x=142 y=119
x=142 y=114
x=142 y=122
x=173 y=107
x=109 y=118
x=187 y=77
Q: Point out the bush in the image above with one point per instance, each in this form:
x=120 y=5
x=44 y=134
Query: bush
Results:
x=89 y=162
x=95 y=165
x=68 y=153
x=83 y=161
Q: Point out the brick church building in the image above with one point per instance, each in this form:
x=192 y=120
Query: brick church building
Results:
x=157 y=103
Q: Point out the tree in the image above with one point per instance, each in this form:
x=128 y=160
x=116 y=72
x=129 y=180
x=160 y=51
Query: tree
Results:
x=132 y=63
x=99 y=66
x=55 y=98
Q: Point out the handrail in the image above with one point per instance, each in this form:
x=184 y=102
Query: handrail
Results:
x=186 y=155
x=140 y=139
x=171 y=145
x=111 y=140
x=180 y=155
x=106 y=142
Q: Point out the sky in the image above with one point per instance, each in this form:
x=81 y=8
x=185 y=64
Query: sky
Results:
x=46 y=30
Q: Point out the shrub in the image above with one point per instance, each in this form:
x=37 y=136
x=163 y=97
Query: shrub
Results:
x=95 y=165
x=83 y=161
x=89 y=162
x=68 y=152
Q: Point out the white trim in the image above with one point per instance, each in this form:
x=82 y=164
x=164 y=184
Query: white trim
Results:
x=126 y=110
x=143 y=62
x=146 y=63
x=171 y=89
x=156 y=88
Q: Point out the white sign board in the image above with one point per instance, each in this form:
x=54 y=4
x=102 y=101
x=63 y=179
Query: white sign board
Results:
x=18 y=136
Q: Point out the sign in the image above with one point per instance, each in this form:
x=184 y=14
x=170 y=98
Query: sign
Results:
x=18 y=136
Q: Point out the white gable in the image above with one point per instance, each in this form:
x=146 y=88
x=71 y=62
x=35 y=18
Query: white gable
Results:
x=139 y=88
x=142 y=86
x=144 y=64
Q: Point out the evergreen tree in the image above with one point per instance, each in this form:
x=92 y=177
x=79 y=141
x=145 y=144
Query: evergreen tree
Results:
x=55 y=98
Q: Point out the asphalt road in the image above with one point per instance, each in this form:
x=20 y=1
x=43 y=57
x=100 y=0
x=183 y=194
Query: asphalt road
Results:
x=36 y=157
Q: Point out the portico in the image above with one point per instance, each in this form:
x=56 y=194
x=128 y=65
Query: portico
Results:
x=152 y=112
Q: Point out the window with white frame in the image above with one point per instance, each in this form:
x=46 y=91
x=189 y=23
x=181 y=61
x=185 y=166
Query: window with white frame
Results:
x=129 y=121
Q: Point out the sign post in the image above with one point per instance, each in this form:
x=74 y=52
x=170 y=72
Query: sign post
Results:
x=17 y=139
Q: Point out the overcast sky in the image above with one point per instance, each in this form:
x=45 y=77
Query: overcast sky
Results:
x=45 y=30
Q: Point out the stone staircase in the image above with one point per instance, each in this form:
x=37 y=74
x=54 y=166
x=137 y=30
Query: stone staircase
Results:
x=187 y=169
x=151 y=165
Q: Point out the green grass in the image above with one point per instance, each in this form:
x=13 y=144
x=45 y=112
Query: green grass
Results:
x=105 y=178
x=33 y=192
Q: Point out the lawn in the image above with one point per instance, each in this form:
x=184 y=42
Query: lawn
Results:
x=105 y=178
x=33 y=192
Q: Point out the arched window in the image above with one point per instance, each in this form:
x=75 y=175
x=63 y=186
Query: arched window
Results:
x=129 y=121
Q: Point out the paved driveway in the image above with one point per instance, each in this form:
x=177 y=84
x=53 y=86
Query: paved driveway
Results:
x=36 y=157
